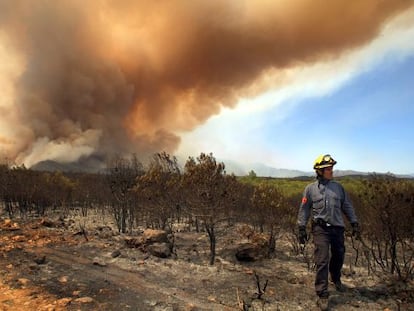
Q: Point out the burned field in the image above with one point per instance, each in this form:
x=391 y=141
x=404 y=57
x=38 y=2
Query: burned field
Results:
x=52 y=265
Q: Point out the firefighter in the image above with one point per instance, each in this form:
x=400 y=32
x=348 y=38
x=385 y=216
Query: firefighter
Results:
x=325 y=202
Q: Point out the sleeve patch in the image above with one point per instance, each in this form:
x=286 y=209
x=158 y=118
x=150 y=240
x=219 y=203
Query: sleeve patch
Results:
x=304 y=200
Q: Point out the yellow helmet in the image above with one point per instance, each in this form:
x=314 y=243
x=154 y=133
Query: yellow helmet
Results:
x=323 y=161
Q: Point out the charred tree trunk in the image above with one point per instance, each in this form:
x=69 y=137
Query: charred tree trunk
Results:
x=212 y=238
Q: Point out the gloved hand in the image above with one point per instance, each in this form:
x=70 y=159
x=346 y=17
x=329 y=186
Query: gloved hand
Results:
x=303 y=236
x=356 y=231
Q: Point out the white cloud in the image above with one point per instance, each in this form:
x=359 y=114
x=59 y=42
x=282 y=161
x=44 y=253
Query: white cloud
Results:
x=235 y=133
x=83 y=144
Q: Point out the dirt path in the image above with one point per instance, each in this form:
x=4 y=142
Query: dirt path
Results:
x=131 y=287
x=69 y=279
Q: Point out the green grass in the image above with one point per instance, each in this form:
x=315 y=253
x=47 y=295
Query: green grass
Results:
x=292 y=187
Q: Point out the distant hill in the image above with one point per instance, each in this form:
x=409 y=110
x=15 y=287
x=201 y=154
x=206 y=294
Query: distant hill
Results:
x=52 y=166
x=232 y=167
x=268 y=171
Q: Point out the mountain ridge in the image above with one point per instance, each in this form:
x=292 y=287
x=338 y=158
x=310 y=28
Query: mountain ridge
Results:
x=232 y=167
x=264 y=170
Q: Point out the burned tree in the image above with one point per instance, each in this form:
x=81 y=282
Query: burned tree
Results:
x=268 y=212
x=91 y=191
x=209 y=194
x=122 y=178
x=385 y=205
x=160 y=186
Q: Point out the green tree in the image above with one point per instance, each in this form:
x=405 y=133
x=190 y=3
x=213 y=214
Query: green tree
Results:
x=252 y=174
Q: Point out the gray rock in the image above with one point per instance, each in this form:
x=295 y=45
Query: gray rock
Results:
x=249 y=252
x=162 y=250
x=116 y=253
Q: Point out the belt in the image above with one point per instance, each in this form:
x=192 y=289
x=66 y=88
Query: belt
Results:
x=321 y=222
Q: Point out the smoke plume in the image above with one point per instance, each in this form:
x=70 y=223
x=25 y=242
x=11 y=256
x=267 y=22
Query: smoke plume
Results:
x=104 y=76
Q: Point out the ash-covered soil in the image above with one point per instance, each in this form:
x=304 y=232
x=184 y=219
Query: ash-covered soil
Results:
x=52 y=265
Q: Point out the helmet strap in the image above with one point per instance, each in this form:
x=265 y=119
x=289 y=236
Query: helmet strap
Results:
x=319 y=173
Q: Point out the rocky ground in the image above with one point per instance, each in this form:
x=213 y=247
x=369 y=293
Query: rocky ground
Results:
x=53 y=265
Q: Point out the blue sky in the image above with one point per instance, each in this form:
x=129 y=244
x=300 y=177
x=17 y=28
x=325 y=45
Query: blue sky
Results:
x=367 y=124
x=364 y=118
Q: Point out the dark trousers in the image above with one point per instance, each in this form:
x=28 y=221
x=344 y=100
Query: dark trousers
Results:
x=325 y=237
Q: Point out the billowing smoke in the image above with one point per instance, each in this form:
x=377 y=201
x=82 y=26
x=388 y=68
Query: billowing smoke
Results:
x=122 y=76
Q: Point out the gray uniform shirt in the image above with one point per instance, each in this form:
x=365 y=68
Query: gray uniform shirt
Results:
x=327 y=200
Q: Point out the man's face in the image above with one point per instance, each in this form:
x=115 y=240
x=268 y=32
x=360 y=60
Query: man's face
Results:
x=328 y=172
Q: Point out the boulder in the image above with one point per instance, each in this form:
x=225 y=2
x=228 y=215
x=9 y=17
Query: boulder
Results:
x=249 y=252
x=151 y=236
x=162 y=250
x=155 y=242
